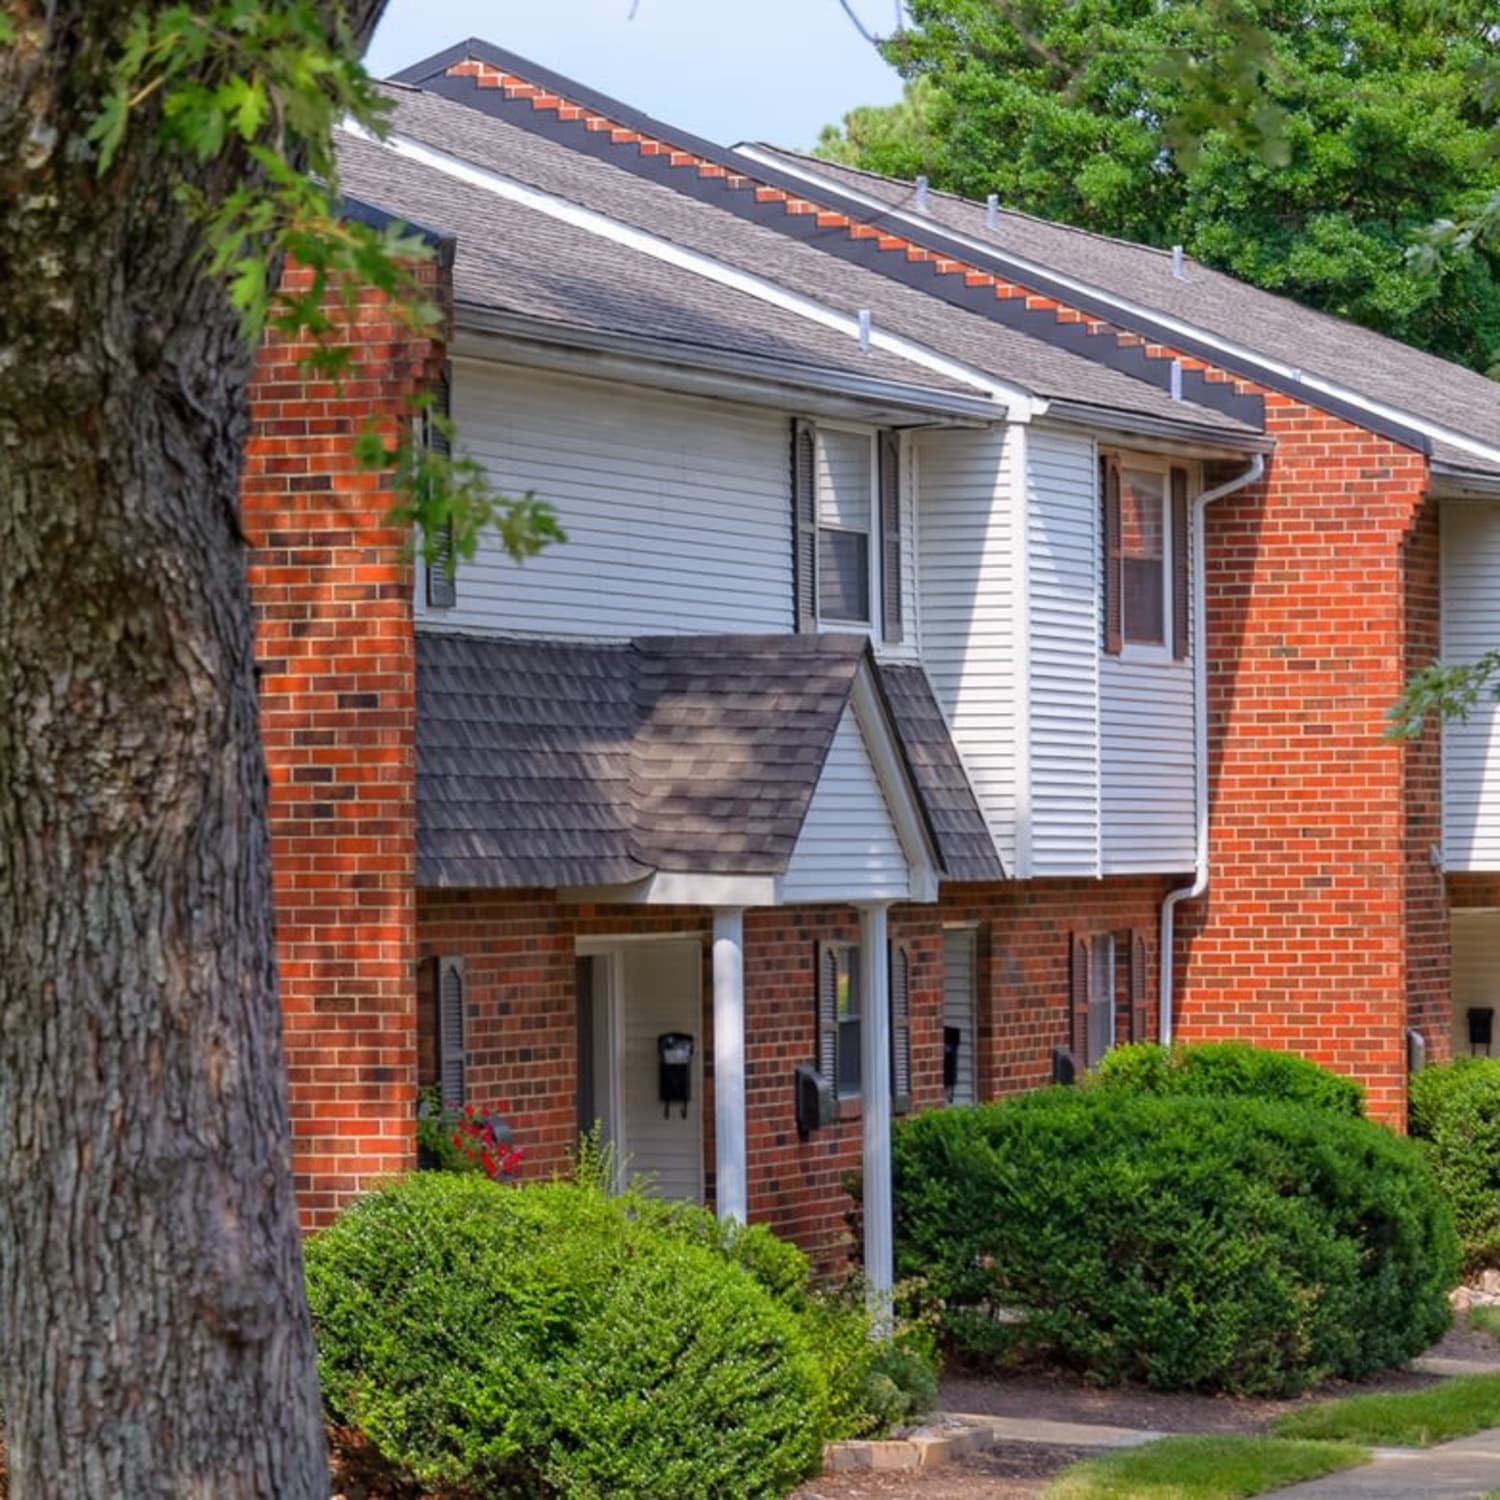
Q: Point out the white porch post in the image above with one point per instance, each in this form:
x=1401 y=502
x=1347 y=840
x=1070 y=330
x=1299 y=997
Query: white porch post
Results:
x=875 y=1088
x=730 y=1193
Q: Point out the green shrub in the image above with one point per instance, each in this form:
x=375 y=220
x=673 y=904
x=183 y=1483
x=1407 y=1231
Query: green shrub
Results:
x=1216 y=1244
x=506 y=1338
x=1228 y=1070
x=1455 y=1112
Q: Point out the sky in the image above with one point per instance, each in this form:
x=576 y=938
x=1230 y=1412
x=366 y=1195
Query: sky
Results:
x=727 y=70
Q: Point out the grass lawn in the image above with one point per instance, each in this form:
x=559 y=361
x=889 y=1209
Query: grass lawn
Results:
x=1453 y=1409
x=1201 y=1468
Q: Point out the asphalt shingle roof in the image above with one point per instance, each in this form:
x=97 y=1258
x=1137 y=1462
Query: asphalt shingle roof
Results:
x=551 y=763
x=1375 y=366
x=515 y=259
x=521 y=155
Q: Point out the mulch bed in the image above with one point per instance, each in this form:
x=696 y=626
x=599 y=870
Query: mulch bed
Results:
x=1009 y=1471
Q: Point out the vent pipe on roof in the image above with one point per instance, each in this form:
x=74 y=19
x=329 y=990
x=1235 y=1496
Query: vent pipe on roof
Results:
x=1177 y=269
x=922 y=195
x=1177 y=380
x=864 y=329
x=992 y=211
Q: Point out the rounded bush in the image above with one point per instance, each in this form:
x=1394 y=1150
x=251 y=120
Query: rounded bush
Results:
x=1191 y=1243
x=550 y=1337
x=1223 y=1070
x=1455 y=1112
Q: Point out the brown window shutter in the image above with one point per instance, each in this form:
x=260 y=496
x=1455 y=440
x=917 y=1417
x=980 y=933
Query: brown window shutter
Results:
x=442 y=574
x=1078 y=999
x=1137 y=987
x=1182 y=623
x=890 y=536
x=900 y=980
x=826 y=1012
x=427 y=1022
x=1114 y=546
x=452 y=1058
x=804 y=526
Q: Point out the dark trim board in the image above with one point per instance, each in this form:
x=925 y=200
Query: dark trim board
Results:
x=1038 y=323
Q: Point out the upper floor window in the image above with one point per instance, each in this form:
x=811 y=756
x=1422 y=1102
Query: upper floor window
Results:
x=846 y=504
x=1145 y=557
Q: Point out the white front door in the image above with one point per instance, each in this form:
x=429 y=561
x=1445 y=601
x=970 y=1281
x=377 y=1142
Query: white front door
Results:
x=643 y=991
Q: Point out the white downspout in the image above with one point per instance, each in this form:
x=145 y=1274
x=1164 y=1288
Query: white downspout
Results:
x=1200 y=736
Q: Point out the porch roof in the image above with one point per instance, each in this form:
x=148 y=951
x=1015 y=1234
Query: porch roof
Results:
x=544 y=763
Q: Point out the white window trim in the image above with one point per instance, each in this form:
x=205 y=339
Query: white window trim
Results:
x=1141 y=651
x=872 y=627
x=1102 y=943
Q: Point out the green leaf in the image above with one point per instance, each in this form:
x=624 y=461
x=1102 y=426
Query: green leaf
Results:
x=108 y=128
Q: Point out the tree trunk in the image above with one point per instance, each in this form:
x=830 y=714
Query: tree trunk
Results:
x=155 y=1332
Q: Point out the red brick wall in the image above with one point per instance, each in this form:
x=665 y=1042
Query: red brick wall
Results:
x=333 y=601
x=1303 y=940
x=519 y=947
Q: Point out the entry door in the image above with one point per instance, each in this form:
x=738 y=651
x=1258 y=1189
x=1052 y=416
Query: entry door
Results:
x=640 y=992
x=662 y=994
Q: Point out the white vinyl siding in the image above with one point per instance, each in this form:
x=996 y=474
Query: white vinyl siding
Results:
x=965 y=553
x=848 y=849
x=1063 y=567
x=960 y=1012
x=1146 y=772
x=1475 y=974
x=678 y=511
x=662 y=993
x=1471 y=626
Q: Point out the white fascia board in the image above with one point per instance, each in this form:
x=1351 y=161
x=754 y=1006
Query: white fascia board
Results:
x=1018 y=401
x=680 y=888
x=1022 y=266
x=504 y=338
x=901 y=797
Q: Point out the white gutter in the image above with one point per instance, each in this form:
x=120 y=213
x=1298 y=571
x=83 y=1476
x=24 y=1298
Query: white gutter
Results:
x=1200 y=737
x=508 y=190
x=1130 y=310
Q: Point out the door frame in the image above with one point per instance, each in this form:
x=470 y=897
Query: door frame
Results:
x=608 y=953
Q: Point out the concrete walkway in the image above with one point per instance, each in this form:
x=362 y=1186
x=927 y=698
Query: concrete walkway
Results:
x=1057 y=1434
x=1462 y=1470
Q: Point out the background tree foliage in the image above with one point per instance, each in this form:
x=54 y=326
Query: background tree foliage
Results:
x=1301 y=147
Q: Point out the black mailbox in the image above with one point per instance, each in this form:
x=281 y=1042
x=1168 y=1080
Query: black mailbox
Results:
x=953 y=1040
x=816 y=1105
x=674 y=1070
x=1064 y=1066
x=1481 y=1027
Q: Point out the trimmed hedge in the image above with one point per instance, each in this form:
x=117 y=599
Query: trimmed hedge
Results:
x=1223 y=1070
x=1190 y=1243
x=1455 y=1112
x=554 y=1339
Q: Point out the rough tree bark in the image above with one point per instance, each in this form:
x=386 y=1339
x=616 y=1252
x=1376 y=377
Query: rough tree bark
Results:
x=155 y=1335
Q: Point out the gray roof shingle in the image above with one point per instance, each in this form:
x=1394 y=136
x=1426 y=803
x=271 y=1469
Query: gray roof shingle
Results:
x=550 y=763
x=1276 y=327
x=500 y=146
x=963 y=836
x=515 y=259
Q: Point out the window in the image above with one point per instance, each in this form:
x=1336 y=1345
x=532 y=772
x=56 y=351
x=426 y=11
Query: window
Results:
x=1101 y=1029
x=846 y=1072
x=960 y=1015
x=847 y=517
x=1145 y=557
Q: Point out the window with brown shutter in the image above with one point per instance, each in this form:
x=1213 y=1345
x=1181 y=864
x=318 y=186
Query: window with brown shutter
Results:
x=442 y=570
x=839 y=1017
x=1109 y=493
x=1137 y=987
x=1078 y=999
x=452 y=1059
x=890 y=536
x=900 y=979
x=804 y=526
x=1181 y=613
